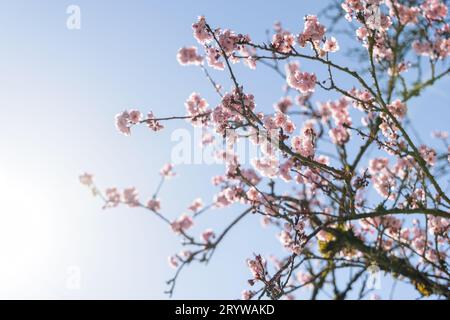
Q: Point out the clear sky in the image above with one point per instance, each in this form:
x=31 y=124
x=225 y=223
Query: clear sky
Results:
x=59 y=92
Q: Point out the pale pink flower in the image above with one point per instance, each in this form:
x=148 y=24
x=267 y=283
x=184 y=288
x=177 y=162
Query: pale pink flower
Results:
x=196 y=107
x=285 y=170
x=283 y=105
x=407 y=15
x=438 y=225
x=213 y=58
x=189 y=56
x=208 y=235
x=257 y=267
x=123 y=122
x=154 y=205
x=253 y=194
x=362 y=33
x=440 y=134
x=283 y=41
x=112 y=197
x=135 y=116
x=183 y=223
x=201 y=33
x=313 y=31
x=247 y=295
x=280 y=120
x=339 y=112
x=196 y=205
x=173 y=261
x=130 y=197
x=303 y=81
x=86 y=179
x=428 y=154
x=383 y=180
x=434 y=9
x=339 y=135
x=331 y=45
x=400 y=68
x=305 y=143
x=152 y=123
x=397 y=108
x=228 y=40
x=266 y=166
x=167 y=171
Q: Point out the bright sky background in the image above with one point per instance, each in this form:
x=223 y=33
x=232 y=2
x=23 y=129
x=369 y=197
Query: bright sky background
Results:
x=59 y=92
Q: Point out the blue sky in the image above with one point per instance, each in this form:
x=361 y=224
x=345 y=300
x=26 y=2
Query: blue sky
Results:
x=59 y=92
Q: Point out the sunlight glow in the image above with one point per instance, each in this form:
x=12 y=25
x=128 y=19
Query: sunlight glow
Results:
x=24 y=229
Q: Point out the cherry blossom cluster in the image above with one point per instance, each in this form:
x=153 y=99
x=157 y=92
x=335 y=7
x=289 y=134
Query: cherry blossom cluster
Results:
x=341 y=194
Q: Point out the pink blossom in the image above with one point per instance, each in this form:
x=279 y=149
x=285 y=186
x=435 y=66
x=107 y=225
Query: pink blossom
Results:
x=331 y=45
x=257 y=267
x=183 y=223
x=154 y=205
x=266 y=166
x=167 y=171
x=130 y=197
x=339 y=135
x=283 y=41
x=196 y=107
x=248 y=53
x=201 y=33
x=303 y=81
x=153 y=124
x=407 y=15
x=428 y=154
x=207 y=139
x=438 y=225
x=305 y=143
x=362 y=33
x=173 y=261
x=221 y=200
x=253 y=194
x=247 y=295
x=196 y=205
x=208 y=235
x=213 y=58
x=383 y=180
x=251 y=176
x=285 y=170
x=439 y=49
x=377 y=164
x=400 y=68
x=135 y=116
x=434 y=9
x=282 y=121
x=112 y=197
x=440 y=134
x=313 y=31
x=228 y=41
x=397 y=108
x=86 y=179
x=123 y=123
x=283 y=105
x=339 y=111
x=189 y=56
